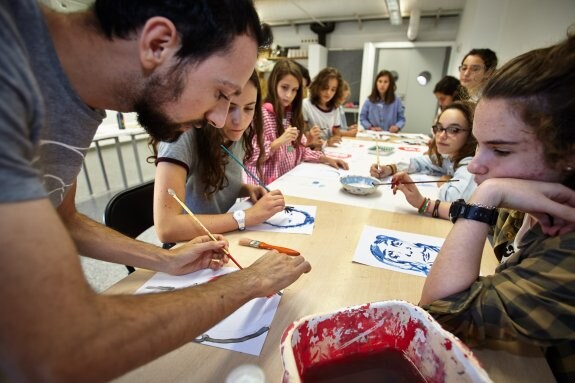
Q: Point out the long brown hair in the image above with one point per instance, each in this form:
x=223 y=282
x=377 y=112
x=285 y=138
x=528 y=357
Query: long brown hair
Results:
x=213 y=160
x=389 y=95
x=321 y=81
x=539 y=87
x=467 y=108
x=285 y=67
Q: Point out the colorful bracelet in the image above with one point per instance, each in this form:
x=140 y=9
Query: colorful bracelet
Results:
x=422 y=209
x=435 y=213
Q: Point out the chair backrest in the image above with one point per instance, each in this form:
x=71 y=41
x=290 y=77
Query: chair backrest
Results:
x=131 y=211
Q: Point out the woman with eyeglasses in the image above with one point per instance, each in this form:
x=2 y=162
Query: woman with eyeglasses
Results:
x=476 y=68
x=450 y=150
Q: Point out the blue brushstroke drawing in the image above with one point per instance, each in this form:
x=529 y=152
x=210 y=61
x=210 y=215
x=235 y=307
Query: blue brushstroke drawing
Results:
x=416 y=257
x=296 y=218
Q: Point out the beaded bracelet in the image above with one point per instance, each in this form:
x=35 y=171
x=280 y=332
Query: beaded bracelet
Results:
x=423 y=206
x=435 y=213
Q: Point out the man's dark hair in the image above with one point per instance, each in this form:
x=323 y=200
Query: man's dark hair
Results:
x=205 y=26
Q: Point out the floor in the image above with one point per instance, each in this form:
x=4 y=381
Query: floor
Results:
x=103 y=185
x=99 y=274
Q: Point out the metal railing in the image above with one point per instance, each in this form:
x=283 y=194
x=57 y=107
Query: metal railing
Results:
x=102 y=147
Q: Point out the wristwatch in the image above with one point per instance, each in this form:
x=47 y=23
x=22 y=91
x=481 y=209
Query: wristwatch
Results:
x=240 y=217
x=485 y=214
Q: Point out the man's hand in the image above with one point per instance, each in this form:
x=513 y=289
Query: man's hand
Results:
x=199 y=253
x=274 y=271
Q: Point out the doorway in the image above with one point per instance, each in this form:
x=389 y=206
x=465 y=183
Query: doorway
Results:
x=408 y=60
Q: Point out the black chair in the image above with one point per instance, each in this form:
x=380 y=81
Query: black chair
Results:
x=131 y=211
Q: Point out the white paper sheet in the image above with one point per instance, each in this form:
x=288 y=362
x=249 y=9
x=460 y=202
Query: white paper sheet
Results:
x=300 y=220
x=397 y=251
x=245 y=330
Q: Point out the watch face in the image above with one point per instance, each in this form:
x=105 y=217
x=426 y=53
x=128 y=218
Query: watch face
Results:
x=240 y=217
x=455 y=210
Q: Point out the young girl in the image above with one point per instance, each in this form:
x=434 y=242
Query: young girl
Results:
x=383 y=110
x=345 y=130
x=525 y=161
x=284 y=144
x=446 y=91
x=450 y=151
x=321 y=108
x=196 y=166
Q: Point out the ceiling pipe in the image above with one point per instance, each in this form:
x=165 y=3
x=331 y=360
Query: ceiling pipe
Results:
x=308 y=14
x=413 y=28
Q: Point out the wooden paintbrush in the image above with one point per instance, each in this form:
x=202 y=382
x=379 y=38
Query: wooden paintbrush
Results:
x=413 y=182
x=377 y=153
x=173 y=194
x=262 y=245
x=288 y=209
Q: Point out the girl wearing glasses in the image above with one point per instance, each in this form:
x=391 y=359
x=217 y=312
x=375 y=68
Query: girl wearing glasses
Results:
x=476 y=68
x=450 y=150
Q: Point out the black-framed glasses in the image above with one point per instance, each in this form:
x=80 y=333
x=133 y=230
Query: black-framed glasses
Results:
x=451 y=130
x=472 y=68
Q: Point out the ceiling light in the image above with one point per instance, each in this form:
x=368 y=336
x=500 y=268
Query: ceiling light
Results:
x=394 y=12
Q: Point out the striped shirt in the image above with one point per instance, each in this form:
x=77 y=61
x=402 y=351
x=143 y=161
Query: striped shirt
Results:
x=282 y=160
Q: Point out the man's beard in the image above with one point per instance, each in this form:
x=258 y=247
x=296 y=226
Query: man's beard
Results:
x=149 y=108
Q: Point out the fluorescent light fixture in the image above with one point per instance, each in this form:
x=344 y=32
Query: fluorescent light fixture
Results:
x=423 y=78
x=394 y=12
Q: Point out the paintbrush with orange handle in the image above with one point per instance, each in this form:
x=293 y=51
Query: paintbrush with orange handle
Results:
x=267 y=246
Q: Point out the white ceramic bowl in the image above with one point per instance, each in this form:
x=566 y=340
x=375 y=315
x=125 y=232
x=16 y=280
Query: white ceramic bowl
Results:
x=359 y=185
x=437 y=354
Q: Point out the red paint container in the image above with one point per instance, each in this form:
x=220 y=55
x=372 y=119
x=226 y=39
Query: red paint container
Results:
x=375 y=328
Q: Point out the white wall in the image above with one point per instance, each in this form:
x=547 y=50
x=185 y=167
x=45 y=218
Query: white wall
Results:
x=511 y=27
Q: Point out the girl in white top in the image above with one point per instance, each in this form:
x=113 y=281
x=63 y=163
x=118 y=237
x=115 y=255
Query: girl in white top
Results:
x=320 y=110
x=450 y=151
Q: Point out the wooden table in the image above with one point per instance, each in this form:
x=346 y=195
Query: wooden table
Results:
x=334 y=282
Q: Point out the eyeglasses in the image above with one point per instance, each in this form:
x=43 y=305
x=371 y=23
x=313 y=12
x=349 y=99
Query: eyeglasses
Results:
x=472 y=68
x=451 y=130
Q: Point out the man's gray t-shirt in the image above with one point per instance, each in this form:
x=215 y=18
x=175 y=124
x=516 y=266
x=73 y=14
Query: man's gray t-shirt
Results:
x=45 y=127
x=184 y=153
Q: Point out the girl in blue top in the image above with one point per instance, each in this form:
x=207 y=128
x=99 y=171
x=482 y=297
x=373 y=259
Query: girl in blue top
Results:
x=450 y=151
x=383 y=110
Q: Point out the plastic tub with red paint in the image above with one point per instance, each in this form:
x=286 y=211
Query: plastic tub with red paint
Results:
x=383 y=341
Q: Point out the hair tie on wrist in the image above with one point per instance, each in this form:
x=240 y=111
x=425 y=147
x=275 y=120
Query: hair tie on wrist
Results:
x=435 y=213
x=423 y=206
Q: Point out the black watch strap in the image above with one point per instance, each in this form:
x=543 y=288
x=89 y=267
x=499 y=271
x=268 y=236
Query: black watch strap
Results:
x=485 y=214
